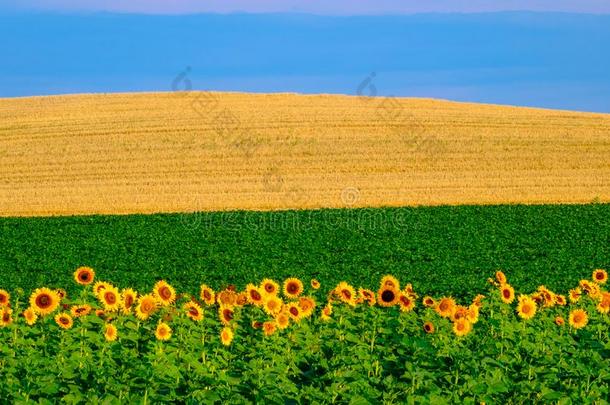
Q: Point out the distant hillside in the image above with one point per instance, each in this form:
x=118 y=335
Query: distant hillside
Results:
x=191 y=151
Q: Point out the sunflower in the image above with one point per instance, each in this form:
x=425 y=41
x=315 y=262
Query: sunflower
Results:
x=241 y=299
x=472 y=314
x=559 y=321
x=578 y=319
x=84 y=275
x=30 y=316
x=459 y=312
x=147 y=305
x=64 y=320
x=128 y=298
x=269 y=287
x=478 y=300
x=445 y=307
x=226 y=314
x=586 y=286
x=387 y=296
x=294 y=311
x=293 y=287
x=315 y=284
x=110 y=332
x=273 y=305
x=254 y=295
x=207 y=295
x=99 y=286
x=110 y=299
x=428 y=301
x=6 y=317
x=327 y=311
x=307 y=305
x=257 y=324
x=560 y=300
x=390 y=281
x=429 y=327
x=5 y=297
x=99 y=313
x=193 y=311
x=462 y=327
x=226 y=336
x=164 y=293
x=575 y=294
x=346 y=293
x=600 y=276
x=501 y=277
x=603 y=307
x=527 y=307
x=507 y=293
x=163 y=331
x=282 y=319
x=44 y=301
x=80 y=310
x=226 y=298
x=548 y=296
x=406 y=303
x=595 y=293
x=367 y=295
x=269 y=328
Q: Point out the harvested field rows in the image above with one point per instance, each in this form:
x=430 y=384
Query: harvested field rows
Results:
x=193 y=151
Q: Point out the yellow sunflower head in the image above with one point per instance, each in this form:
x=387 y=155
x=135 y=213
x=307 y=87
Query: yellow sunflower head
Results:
x=500 y=277
x=346 y=293
x=429 y=327
x=367 y=295
x=84 y=275
x=110 y=298
x=164 y=293
x=30 y=316
x=578 y=319
x=560 y=300
x=5 y=298
x=269 y=287
x=327 y=311
x=428 y=302
x=315 y=284
x=110 y=332
x=255 y=297
x=600 y=276
x=242 y=299
x=507 y=293
x=6 y=316
x=226 y=336
x=388 y=296
x=147 y=305
x=294 y=311
x=462 y=327
x=226 y=314
x=128 y=298
x=226 y=298
x=64 y=320
x=293 y=287
x=527 y=307
x=307 y=305
x=273 y=305
x=99 y=286
x=406 y=303
x=80 y=310
x=269 y=328
x=163 y=331
x=207 y=295
x=193 y=311
x=445 y=307
x=390 y=281
x=559 y=321
x=44 y=301
x=575 y=294
x=282 y=319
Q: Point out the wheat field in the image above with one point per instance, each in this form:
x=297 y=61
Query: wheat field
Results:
x=199 y=151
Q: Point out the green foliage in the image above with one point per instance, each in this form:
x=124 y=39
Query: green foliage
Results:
x=438 y=249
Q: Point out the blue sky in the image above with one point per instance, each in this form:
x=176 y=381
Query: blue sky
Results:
x=554 y=60
x=335 y=7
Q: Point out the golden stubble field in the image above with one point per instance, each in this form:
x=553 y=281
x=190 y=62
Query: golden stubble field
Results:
x=194 y=151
